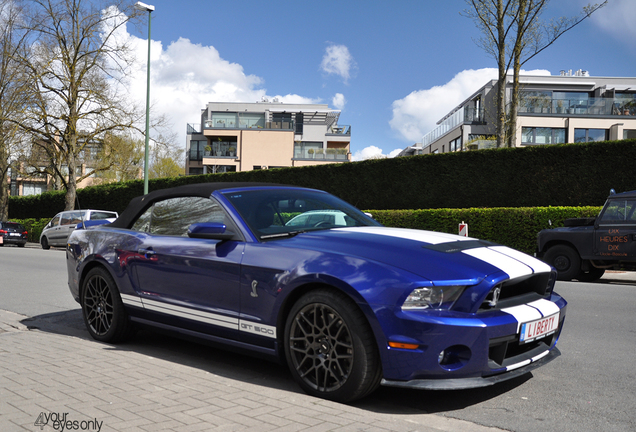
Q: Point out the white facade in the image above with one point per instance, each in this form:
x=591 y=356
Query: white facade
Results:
x=552 y=110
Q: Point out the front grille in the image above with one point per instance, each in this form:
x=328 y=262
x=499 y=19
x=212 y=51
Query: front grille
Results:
x=520 y=291
x=508 y=351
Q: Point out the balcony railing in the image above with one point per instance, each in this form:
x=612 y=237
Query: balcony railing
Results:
x=340 y=130
x=329 y=154
x=582 y=107
x=462 y=116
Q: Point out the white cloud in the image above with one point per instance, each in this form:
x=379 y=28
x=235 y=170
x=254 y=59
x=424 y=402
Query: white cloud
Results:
x=418 y=113
x=186 y=76
x=617 y=18
x=373 y=152
x=339 y=101
x=338 y=61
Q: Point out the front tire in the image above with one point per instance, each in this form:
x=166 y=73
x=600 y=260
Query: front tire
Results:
x=565 y=260
x=102 y=308
x=45 y=243
x=330 y=348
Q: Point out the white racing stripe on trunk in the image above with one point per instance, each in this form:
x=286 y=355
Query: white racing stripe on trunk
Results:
x=511 y=266
x=523 y=314
x=536 y=265
x=429 y=237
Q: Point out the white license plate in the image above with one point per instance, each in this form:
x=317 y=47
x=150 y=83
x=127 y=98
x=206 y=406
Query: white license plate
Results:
x=537 y=329
x=15 y=234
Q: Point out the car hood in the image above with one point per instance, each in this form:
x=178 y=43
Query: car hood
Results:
x=431 y=255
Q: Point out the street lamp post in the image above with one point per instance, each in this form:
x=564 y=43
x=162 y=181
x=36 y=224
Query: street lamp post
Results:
x=148 y=8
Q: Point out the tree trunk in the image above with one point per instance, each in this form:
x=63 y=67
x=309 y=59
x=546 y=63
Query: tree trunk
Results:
x=501 y=94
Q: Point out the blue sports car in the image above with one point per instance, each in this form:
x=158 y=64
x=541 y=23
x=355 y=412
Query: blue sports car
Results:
x=345 y=302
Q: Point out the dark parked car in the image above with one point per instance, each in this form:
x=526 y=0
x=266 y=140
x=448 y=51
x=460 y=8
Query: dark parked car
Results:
x=346 y=303
x=13 y=233
x=585 y=247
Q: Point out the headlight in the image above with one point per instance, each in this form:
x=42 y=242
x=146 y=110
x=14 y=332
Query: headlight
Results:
x=433 y=297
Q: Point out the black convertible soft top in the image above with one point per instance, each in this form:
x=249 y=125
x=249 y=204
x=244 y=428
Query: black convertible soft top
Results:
x=140 y=204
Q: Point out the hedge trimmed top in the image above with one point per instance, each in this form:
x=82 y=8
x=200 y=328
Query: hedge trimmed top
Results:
x=547 y=175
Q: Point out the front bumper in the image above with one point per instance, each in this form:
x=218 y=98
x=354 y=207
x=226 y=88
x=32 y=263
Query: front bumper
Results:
x=466 y=350
x=472 y=382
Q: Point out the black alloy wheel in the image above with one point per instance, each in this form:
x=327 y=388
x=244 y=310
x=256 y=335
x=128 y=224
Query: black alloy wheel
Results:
x=104 y=314
x=330 y=348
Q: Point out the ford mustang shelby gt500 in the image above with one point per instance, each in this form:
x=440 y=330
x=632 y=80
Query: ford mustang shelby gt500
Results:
x=345 y=302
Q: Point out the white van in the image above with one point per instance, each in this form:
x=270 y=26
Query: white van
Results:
x=56 y=232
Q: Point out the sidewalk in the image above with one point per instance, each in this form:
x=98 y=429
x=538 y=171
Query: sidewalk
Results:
x=87 y=385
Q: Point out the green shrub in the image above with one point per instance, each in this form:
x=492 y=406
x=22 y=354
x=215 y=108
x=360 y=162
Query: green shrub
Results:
x=513 y=227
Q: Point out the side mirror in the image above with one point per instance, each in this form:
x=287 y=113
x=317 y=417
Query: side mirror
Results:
x=210 y=230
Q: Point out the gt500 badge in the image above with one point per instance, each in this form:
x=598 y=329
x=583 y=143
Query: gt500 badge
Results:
x=259 y=329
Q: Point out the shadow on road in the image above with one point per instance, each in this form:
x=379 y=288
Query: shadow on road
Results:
x=245 y=368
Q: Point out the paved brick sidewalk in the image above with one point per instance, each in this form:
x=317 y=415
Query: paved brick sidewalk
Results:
x=105 y=389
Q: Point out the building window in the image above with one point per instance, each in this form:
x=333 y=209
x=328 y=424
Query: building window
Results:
x=221 y=146
x=196 y=150
x=590 y=135
x=308 y=150
x=299 y=123
x=33 y=188
x=629 y=134
x=536 y=135
x=455 y=145
x=218 y=169
x=195 y=171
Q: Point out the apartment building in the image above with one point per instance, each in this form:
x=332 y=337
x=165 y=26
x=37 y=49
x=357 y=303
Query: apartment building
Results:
x=25 y=179
x=568 y=108
x=237 y=136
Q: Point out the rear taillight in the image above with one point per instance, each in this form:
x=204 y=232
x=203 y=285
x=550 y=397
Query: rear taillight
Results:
x=3 y=231
x=25 y=233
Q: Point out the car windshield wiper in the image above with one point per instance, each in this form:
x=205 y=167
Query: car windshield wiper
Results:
x=283 y=234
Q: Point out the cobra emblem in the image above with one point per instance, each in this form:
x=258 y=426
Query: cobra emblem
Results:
x=495 y=297
x=254 y=285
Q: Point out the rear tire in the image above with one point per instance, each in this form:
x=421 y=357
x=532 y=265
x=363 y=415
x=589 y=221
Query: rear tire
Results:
x=565 y=260
x=45 y=243
x=330 y=348
x=593 y=275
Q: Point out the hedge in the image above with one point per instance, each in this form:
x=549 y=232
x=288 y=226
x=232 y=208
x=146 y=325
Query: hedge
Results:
x=514 y=227
x=548 y=175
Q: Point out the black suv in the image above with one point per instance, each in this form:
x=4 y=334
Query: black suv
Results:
x=12 y=233
x=584 y=248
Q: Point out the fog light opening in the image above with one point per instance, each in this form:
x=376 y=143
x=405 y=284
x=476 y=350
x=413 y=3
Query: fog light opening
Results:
x=454 y=357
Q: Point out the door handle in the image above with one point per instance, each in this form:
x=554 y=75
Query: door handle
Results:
x=148 y=253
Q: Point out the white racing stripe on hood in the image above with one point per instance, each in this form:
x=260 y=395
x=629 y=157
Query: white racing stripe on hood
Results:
x=429 y=237
x=536 y=265
x=546 y=307
x=511 y=266
x=523 y=314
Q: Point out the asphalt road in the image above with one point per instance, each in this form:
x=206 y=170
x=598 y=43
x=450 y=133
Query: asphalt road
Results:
x=591 y=387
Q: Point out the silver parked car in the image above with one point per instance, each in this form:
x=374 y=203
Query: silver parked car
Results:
x=56 y=232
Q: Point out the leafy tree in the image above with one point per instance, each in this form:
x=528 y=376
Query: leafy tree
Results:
x=167 y=161
x=15 y=91
x=77 y=63
x=512 y=33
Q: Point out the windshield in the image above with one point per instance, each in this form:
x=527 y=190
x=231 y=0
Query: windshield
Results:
x=280 y=212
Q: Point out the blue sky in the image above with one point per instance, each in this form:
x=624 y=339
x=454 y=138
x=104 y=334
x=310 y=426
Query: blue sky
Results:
x=392 y=67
